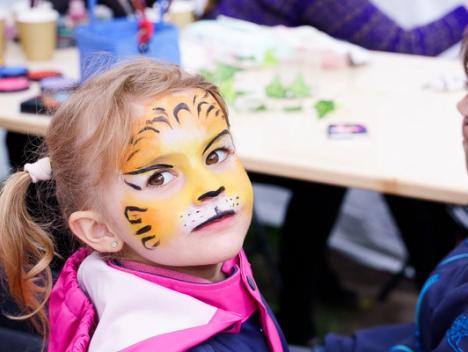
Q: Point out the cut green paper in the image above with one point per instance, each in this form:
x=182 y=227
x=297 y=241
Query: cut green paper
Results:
x=259 y=108
x=299 y=88
x=324 y=107
x=228 y=91
x=293 y=108
x=269 y=58
x=221 y=73
x=276 y=89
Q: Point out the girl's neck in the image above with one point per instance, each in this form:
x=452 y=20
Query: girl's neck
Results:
x=211 y=272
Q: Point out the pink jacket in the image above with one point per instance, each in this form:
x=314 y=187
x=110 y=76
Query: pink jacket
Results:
x=140 y=311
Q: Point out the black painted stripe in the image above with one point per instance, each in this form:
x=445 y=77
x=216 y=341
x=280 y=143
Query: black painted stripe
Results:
x=212 y=107
x=162 y=119
x=146 y=239
x=161 y=110
x=179 y=108
x=139 y=139
x=134 y=186
x=148 y=128
x=133 y=209
x=149 y=168
x=199 y=107
x=132 y=154
x=143 y=230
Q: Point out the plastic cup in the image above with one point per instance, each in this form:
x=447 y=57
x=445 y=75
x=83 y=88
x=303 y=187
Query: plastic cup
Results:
x=37 y=30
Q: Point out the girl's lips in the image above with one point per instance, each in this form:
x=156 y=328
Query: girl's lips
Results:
x=219 y=217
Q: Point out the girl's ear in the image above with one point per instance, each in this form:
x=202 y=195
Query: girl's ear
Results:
x=89 y=227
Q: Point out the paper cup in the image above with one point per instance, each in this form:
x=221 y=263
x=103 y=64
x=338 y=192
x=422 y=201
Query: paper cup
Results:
x=2 y=36
x=37 y=30
x=181 y=13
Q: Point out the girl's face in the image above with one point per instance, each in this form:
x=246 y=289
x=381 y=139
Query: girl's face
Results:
x=463 y=108
x=183 y=197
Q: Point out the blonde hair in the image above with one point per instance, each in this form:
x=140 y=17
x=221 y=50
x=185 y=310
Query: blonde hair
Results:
x=85 y=143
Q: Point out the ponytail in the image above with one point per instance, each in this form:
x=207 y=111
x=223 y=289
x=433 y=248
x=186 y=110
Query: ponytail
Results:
x=26 y=251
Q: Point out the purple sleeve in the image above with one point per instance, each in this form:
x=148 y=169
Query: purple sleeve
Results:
x=357 y=21
x=362 y=23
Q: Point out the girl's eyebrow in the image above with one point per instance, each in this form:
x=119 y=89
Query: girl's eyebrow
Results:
x=149 y=168
x=215 y=138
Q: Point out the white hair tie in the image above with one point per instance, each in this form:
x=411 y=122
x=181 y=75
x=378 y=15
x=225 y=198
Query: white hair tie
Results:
x=40 y=170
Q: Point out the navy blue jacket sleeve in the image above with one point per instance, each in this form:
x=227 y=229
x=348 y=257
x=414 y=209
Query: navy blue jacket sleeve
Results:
x=375 y=339
x=441 y=318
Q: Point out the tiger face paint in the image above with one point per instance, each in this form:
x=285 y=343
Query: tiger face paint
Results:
x=184 y=197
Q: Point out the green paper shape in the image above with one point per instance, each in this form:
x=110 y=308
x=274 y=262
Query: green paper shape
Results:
x=293 y=108
x=324 y=107
x=276 y=89
x=221 y=73
x=228 y=91
x=269 y=58
x=259 y=108
x=299 y=88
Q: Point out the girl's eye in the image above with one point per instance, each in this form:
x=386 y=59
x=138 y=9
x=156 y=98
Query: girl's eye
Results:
x=160 y=178
x=216 y=157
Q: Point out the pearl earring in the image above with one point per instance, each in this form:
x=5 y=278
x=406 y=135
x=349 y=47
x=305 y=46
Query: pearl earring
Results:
x=114 y=244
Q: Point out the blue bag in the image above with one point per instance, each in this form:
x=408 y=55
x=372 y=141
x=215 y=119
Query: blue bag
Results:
x=118 y=39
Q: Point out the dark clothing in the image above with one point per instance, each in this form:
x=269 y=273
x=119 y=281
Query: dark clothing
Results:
x=17 y=341
x=250 y=338
x=441 y=320
x=357 y=21
x=427 y=230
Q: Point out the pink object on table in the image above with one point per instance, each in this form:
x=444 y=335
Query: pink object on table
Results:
x=332 y=60
x=15 y=84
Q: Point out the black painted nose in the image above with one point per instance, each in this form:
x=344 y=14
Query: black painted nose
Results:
x=211 y=194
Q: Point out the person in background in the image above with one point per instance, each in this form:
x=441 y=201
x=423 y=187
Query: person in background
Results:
x=357 y=21
x=428 y=231
x=441 y=317
x=416 y=13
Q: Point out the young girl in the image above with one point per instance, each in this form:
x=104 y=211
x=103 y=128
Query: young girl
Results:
x=147 y=178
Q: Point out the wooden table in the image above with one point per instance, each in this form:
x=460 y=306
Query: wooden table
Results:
x=413 y=148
